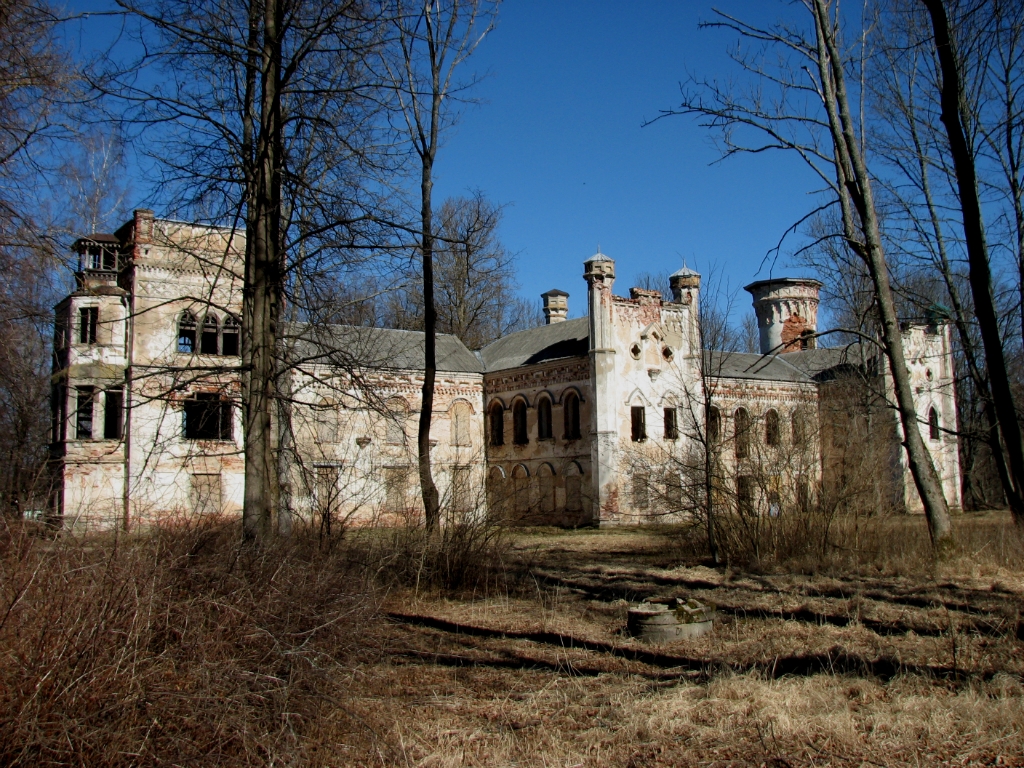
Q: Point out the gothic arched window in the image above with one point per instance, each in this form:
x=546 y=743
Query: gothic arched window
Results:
x=187 y=332
x=544 y=419
x=771 y=427
x=520 y=436
x=741 y=425
x=230 y=334
x=496 y=416
x=571 y=415
x=211 y=332
x=933 y=424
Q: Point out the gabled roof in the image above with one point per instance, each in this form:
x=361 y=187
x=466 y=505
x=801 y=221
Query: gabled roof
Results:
x=386 y=348
x=570 y=338
x=809 y=365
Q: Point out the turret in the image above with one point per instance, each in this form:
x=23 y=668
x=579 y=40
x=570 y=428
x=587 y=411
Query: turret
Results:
x=787 y=313
x=556 y=306
x=685 y=285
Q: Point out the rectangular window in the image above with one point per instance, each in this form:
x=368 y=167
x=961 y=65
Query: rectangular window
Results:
x=89 y=318
x=641 y=490
x=396 y=480
x=460 y=490
x=206 y=494
x=113 y=414
x=83 y=413
x=639 y=422
x=208 y=417
x=671 y=424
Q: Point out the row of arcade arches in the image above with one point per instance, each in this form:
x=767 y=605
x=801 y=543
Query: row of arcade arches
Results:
x=570 y=402
x=520 y=493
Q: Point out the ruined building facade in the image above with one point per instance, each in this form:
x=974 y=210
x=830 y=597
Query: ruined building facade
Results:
x=615 y=417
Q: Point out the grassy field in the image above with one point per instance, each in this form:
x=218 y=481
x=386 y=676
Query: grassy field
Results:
x=874 y=655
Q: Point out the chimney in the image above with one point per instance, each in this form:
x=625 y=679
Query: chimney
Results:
x=787 y=313
x=556 y=306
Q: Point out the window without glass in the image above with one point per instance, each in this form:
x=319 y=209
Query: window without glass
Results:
x=544 y=419
x=84 y=412
x=229 y=336
x=207 y=417
x=101 y=258
x=59 y=412
x=497 y=424
x=771 y=427
x=745 y=494
x=520 y=436
x=741 y=423
x=638 y=417
x=187 y=332
x=933 y=424
x=671 y=424
x=88 y=319
x=211 y=330
x=571 y=415
x=714 y=430
x=113 y=414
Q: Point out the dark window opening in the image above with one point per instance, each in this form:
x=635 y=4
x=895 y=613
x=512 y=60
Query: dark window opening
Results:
x=83 y=413
x=101 y=258
x=671 y=424
x=229 y=337
x=933 y=424
x=742 y=426
x=544 y=419
x=113 y=414
x=208 y=417
x=520 y=436
x=745 y=494
x=208 y=344
x=771 y=427
x=59 y=393
x=187 y=333
x=638 y=414
x=571 y=414
x=89 y=318
x=714 y=429
x=497 y=419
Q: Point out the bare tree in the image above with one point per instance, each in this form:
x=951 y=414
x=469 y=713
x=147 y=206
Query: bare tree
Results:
x=435 y=37
x=812 y=116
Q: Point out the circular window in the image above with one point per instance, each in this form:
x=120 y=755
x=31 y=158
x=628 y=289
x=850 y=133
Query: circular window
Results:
x=635 y=351
x=667 y=353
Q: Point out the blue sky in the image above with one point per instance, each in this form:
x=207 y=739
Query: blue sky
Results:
x=557 y=137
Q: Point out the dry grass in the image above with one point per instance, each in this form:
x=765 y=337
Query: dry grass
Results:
x=185 y=649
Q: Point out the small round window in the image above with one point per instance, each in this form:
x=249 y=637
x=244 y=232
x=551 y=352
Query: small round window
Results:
x=667 y=353
x=635 y=351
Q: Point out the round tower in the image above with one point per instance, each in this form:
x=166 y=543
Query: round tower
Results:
x=787 y=313
x=685 y=285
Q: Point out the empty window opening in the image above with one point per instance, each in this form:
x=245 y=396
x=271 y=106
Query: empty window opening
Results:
x=497 y=424
x=714 y=428
x=89 y=319
x=113 y=414
x=544 y=419
x=100 y=258
x=84 y=413
x=933 y=424
x=211 y=330
x=187 y=332
x=230 y=336
x=671 y=424
x=520 y=436
x=742 y=426
x=745 y=495
x=771 y=427
x=207 y=417
x=638 y=418
x=571 y=416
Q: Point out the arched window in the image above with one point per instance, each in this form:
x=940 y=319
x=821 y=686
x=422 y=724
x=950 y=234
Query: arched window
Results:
x=573 y=488
x=771 y=427
x=714 y=429
x=398 y=412
x=799 y=427
x=521 y=490
x=547 y=488
x=327 y=422
x=497 y=494
x=230 y=334
x=187 y=332
x=519 y=434
x=496 y=417
x=933 y=424
x=741 y=425
x=544 y=419
x=571 y=415
x=461 y=415
x=211 y=330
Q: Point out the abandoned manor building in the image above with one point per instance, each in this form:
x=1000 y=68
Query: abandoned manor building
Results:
x=619 y=416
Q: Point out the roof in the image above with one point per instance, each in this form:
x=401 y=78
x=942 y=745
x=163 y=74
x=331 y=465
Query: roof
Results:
x=99 y=237
x=387 y=348
x=685 y=271
x=556 y=341
x=809 y=365
x=555 y=292
x=783 y=281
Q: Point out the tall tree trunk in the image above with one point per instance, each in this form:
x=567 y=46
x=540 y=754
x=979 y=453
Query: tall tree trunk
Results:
x=854 y=183
x=953 y=101
x=428 y=490
x=261 y=301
